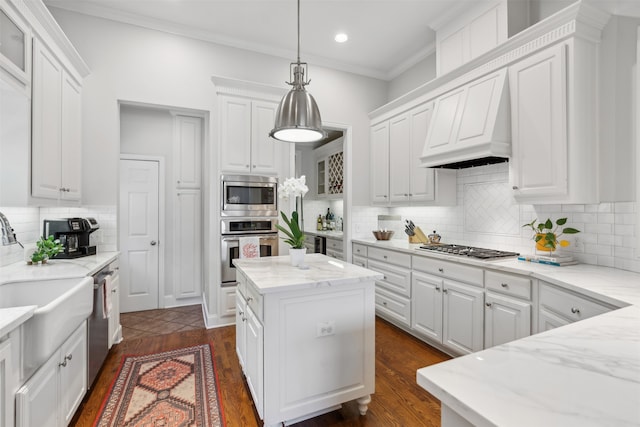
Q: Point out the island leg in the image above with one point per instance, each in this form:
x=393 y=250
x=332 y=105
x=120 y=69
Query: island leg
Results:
x=363 y=404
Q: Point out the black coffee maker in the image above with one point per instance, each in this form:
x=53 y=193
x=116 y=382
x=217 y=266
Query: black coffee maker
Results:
x=73 y=234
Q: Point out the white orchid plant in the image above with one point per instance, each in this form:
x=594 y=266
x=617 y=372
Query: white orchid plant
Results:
x=293 y=187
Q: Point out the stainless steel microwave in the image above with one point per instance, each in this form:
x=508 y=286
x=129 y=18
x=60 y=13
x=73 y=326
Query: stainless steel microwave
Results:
x=249 y=195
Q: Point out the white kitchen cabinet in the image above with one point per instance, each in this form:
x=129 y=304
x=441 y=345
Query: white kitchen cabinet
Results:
x=254 y=361
x=330 y=175
x=478 y=30
x=187 y=151
x=407 y=182
x=245 y=145
x=14 y=44
x=558 y=307
x=426 y=305
x=56 y=128
x=463 y=317
x=52 y=395
x=508 y=308
x=6 y=384
x=393 y=291
x=241 y=342
x=187 y=244
x=380 y=163
x=334 y=248
x=554 y=125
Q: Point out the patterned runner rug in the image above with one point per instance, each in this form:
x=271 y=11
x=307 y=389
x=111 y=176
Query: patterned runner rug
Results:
x=171 y=389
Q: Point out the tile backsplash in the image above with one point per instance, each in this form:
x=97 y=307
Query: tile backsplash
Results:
x=27 y=224
x=486 y=215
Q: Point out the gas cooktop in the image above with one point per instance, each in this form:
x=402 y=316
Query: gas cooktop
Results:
x=469 y=251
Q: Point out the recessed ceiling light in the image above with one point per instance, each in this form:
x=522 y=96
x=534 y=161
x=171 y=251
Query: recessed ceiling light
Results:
x=341 y=37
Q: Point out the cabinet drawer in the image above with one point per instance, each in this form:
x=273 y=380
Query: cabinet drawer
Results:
x=516 y=286
x=393 y=307
x=360 y=250
x=335 y=254
x=333 y=244
x=396 y=279
x=254 y=300
x=568 y=304
x=450 y=270
x=360 y=261
x=397 y=258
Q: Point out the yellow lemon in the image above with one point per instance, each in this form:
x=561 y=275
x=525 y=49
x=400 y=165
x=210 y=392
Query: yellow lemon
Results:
x=564 y=243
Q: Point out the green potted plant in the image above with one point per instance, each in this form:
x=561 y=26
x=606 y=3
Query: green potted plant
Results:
x=46 y=249
x=297 y=188
x=546 y=234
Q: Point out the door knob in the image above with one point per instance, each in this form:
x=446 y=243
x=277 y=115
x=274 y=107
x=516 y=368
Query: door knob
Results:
x=153 y=243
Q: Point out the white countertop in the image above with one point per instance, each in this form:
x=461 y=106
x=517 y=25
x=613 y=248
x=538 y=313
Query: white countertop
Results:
x=583 y=374
x=332 y=234
x=275 y=274
x=11 y=318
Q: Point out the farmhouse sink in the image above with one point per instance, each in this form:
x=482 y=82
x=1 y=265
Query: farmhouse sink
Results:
x=63 y=304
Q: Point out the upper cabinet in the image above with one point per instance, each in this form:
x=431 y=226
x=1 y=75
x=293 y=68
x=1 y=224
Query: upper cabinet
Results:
x=477 y=31
x=329 y=175
x=187 y=151
x=56 y=128
x=397 y=177
x=245 y=145
x=15 y=48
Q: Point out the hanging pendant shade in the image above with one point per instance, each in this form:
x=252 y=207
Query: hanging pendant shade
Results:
x=298 y=116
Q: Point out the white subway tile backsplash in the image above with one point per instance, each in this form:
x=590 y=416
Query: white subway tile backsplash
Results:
x=624 y=207
x=623 y=229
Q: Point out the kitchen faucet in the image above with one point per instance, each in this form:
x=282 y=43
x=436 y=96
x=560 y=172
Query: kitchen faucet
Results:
x=8 y=236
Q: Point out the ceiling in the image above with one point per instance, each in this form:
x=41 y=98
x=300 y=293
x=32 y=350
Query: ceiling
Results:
x=386 y=37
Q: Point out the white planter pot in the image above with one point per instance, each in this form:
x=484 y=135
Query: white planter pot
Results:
x=297 y=256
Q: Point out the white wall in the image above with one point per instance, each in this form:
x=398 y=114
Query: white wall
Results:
x=419 y=74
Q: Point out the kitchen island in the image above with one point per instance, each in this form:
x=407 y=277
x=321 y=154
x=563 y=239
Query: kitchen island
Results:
x=305 y=336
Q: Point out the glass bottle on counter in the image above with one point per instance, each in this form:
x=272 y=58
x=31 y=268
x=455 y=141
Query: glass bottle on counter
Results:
x=319 y=223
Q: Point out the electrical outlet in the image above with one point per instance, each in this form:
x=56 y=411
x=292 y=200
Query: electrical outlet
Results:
x=325 y=329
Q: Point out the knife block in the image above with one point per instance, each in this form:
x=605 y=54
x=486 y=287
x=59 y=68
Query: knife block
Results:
x=419 y=236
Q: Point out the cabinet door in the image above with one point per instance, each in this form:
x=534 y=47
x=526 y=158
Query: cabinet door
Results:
x=187 y=247
x=506 y=319
x=321 y=177
x=264 y=149
x=380 y=163
x=422 y=180
x=71 y=144
x=46 y=147
x=463 y=314
x=235 y=134
x=37 y=400
x=241 y=320
x=187 y=142
x=254 y=368
x=548 y=320
x=114 y=317
x=6 y=385
x=539 y=124
x=427 y=305
x=400 y=161
x=446 y=118
x=73 y=373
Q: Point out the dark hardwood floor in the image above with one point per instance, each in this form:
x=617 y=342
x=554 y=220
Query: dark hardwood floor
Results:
x=398 y=400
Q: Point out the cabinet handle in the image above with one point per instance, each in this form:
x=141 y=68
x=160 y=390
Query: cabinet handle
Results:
x=515 y=187
x=63 y=364
x=438 y=288
x=249 y=299
x=504 y=285
x=488 y=304
x=441 y=270
x=575 y=310
x=445 y=291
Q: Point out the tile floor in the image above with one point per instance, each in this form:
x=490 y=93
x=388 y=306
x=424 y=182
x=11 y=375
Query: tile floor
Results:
x=140 y=324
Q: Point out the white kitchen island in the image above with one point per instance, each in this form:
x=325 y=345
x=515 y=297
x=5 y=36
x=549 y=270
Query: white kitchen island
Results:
x=305 y=337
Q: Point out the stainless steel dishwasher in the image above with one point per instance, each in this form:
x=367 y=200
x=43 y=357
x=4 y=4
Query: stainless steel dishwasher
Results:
x=98 y=342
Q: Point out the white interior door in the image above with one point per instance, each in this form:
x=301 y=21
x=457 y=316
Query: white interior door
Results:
x=139 y=230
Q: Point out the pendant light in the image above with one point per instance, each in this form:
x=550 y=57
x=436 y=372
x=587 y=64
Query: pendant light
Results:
x=298 y=116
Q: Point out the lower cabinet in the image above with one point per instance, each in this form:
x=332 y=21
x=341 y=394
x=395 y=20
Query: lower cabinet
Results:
x=334 y=248
x=6 y=384
x=507 y=314
x=52 y=395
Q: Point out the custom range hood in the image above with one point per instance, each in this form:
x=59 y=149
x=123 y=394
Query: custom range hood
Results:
x=471 y=125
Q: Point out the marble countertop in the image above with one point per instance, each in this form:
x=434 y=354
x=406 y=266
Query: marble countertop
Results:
x=328 y=233
x=583 y=374
x=275 y=274
x=11 y=318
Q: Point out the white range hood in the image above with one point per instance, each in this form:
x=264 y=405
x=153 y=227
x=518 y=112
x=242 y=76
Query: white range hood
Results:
x=470 y=125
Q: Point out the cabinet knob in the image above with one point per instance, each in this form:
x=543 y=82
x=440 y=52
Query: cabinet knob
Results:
x=113 y=291
x=63 y=364
x=249 y=299
x=445 y=291
x=410 y=195
x=504 y=285
x=153 y=243
x=254 y=166
x=515 y=187
x=575 y=310
x=488 y=304
x=384 y=256
x=438 y=288
x=385 y=196
x=441 y=270
x=246 y=166
x=384 y=303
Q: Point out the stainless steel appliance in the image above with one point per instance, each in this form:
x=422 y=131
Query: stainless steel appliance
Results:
x=320 y=245
x=73 y=234
x=232 y=229
x=98 y=325
x=249 y=196
x=469 y=251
